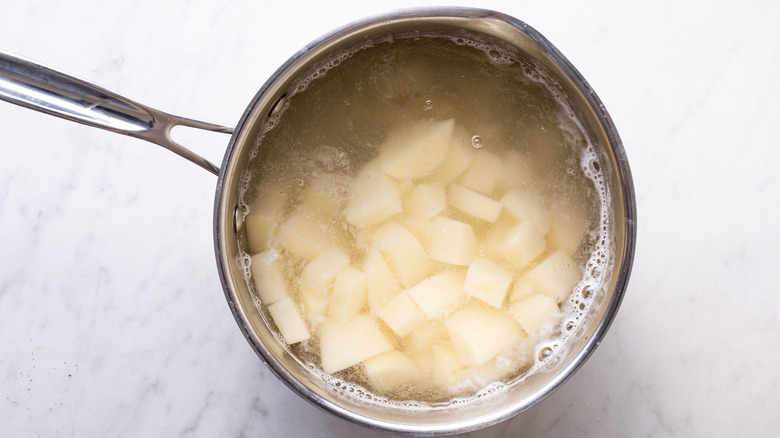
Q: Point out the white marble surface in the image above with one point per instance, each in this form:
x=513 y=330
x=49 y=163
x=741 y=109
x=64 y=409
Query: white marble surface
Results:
x=112 y=319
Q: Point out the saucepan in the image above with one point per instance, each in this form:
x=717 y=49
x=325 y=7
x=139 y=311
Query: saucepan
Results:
x=40 y=88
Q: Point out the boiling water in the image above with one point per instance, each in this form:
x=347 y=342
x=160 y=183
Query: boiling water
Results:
x=334 y=120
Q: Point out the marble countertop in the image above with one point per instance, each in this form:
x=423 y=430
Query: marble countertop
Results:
x=112 y=318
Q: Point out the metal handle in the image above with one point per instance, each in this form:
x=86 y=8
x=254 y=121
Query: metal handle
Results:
x=40 y=88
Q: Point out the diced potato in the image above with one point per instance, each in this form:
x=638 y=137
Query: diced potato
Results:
x=417 y=152
x=446 y=367
x=476 y=378
x=521 y=289
x=517 y=172
x=479 y=333
x=459 y=158
x=403 y=252
x=567 y=230
x=421 y=228
x=381 y=285
x=418 y=344
x=263 y=212
x=303 y=235
x=344 y=345
x=348 y=296
x=473 y=203
x=487 y=281
x=374 y=197
x=437 y=294
x=521 y=244
x=426 y=200
x=483 y=172
x=523 y=205
x=268 y=274
x=555 y=277
x=536 y=313
x=318 y=274
x=325 y=193
x=391 y=370
x=453 y=242
x=314 y=306
x=288 y=320
x=401 y=314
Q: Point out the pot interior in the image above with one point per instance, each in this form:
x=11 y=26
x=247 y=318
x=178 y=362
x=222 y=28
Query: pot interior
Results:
x=518 y=41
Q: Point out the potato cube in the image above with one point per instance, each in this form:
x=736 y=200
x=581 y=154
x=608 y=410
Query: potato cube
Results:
x=536 y=313
x=475 y=378
x=421 y=228
x=446 y=367
x=348 y=296
x=487 y=281
x=453 y=242
x=483 y=172
x=391 y=370
x=473 y=203
x=567 y=230
x=426 y=200
x=268 y=274
x=318 y=274
x=521 y=289
x=401 y=314
x=517 y=171
x=523 y=205
x=418 y=344
x=521 y=244
x=416 y=152
x=438 y=294
x=314 y=308
x=325 y=194
x=263 y=212
x=345 y=345
x=555 y=276
x=288 y=320
x=381 y=284
x=403 y=252
x=374 y=197
x=459 y=158
x=303 y=235
x=479 y=333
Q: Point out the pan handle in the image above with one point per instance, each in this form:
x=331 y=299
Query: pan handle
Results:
x=40 y=88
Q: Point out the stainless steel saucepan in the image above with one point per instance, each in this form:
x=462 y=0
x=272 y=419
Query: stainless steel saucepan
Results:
x=31 y=85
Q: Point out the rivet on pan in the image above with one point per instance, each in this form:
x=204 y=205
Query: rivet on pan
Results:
x=238 y=218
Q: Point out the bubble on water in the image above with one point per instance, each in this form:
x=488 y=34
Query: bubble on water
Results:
x=428 y=104
x=477 y=141
x=545 y=352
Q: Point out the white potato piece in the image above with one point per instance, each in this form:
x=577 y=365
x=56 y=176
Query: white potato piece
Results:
x=521 y=289
x=536 y=313
x=303 y=235
x=517 y=171
x=381 y=284
x=555 y=276
x=426 y=200
x=439 y=293
x=421 y=228
x=391 y=370
x=473 y=203
x=288 y=320
x=401 y=314
x=263 y=212
x=523 y=205
x=453 y=242
x=479 y=333
x=314 y=308
x=487 y=281
x=348 y=296
x=483 y=172
x=345 y=345
x=374 y=197
x=459 y=158
x=521 y=244
x=567 y=230
x=446 y=367
x=418 y=344
x=475 y=378
x=416 y=152
x=268 y=274
x=317 y=276
x=403 y=253
x=325 y=194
